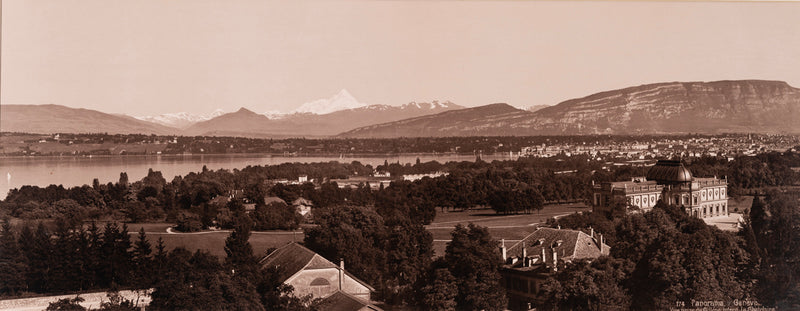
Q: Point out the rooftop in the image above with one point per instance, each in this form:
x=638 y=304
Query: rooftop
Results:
x=669 y=171
x=568 y=244
x=293 y=257
x=636 y=186
x=341 y=301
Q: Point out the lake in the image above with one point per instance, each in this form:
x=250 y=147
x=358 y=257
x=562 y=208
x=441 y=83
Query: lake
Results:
x=77 y=171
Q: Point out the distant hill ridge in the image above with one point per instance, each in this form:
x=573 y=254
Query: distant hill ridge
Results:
x=706 y=107
x=248 y=123
x=47 y=119
x=672 y=107
x=756 y=106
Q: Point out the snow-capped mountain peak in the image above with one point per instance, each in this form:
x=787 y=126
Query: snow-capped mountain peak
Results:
x=181 y=119
x=432 y=105
x=274 y=114
x=341 y=101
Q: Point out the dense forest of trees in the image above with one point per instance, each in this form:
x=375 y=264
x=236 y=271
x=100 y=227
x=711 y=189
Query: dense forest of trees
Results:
x=657 y=257
x=75 y=259
x=665 y=256
x=508 y=187
x=524 y=185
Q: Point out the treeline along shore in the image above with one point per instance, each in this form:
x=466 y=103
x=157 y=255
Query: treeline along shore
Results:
x=64 y=144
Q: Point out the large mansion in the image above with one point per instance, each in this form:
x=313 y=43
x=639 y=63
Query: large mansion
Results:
x=671 y=182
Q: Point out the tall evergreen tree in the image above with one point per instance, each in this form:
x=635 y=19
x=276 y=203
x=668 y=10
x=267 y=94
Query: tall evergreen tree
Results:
x=237 y=246
x=116 y=268
x=758 y=218
x=13 y=267
x=142 y=274
x=94 y=259
x=69 y=249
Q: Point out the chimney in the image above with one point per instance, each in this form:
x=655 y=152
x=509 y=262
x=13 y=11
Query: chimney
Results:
x=503 y=249
x=555 y=260
x=524 y=251
x=341 y=272
x=544 y=256
x=592 y=231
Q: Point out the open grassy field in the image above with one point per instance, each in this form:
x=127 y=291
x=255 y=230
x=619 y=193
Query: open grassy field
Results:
x=509 y=227
x=512 y=228
x=212 y=241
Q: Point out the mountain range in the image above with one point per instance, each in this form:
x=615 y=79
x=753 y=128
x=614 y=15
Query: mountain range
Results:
x=661 y=108
x=181 y=120
x=61 y=119
x=341 y=101
x=673 y=107
x=247 y=123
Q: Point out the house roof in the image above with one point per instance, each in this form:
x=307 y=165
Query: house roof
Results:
x=293 y=257
x=341 y=301
x=573 y=244
x=669 y=171
x=301 y=201
x=268 y=200
x=636 y=186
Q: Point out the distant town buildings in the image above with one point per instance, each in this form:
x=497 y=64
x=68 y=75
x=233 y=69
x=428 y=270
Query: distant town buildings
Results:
x=671 y=182
x=728 y=146
x=415 y=177
x=302 y=206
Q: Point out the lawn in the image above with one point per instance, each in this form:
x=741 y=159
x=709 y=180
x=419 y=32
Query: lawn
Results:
x=509 y=227
x=212 y=241
x=512 y=228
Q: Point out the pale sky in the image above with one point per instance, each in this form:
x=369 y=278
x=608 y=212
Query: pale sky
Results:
x=148 y=57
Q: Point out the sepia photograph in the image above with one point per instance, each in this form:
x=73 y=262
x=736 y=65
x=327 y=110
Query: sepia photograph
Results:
x=399 y=155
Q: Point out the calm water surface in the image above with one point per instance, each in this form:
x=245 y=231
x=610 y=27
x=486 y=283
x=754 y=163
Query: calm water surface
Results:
x=77 y=171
